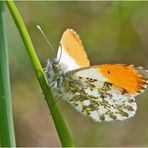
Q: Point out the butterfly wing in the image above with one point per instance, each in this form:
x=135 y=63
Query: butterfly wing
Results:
x=71 y=52
x=105 y=97
x=105 y=92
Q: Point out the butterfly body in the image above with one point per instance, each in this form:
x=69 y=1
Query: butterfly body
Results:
x=102 y=92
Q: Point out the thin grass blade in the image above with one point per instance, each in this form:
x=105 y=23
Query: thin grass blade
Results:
x=7 y=137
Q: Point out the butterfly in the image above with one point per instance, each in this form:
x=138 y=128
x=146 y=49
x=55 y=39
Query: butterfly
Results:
x=102 y=92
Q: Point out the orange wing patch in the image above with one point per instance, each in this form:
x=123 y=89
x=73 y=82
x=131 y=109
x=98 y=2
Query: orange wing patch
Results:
x=126 y=77
x=74 y=48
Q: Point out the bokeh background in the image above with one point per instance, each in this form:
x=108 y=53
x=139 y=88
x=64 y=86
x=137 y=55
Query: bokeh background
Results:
x=112 y=32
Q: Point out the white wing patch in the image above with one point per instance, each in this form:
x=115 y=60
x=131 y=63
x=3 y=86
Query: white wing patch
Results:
x=91 y=73
x=66 y=62
x=96 y=98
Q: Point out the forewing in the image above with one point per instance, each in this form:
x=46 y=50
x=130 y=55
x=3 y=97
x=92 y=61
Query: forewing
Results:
x=92 y=94
x=71 y=52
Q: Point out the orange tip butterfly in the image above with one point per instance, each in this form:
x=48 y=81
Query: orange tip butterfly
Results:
x=101 y=92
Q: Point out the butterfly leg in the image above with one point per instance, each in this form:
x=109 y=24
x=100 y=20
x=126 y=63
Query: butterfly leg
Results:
x=57 y=98
x=52 y=85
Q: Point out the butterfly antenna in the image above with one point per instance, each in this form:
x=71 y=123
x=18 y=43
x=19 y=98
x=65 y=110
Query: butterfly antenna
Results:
x=38 y=27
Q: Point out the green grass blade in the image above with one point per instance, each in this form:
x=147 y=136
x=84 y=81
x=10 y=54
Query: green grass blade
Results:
x=60 y=125
x=7 y=138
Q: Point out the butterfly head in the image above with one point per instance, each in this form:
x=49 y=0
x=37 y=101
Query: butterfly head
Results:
x=52 y=70
x=55 y=65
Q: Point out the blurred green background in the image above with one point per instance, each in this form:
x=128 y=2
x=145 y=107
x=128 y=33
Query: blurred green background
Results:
x=112 y=32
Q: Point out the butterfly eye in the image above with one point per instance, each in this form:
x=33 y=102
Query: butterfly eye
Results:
x=55 y=62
